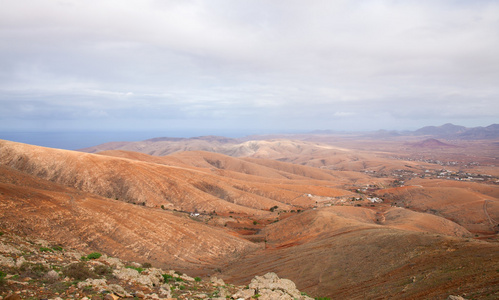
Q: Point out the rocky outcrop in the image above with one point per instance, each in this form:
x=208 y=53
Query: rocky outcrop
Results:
x=30 y=268
x=271 y=287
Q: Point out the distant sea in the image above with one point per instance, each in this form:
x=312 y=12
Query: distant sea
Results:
x=79 y=140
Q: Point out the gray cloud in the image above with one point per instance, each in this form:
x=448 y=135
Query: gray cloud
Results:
x=276 y=65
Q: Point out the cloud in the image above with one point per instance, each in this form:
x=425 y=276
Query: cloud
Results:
x=279 y=64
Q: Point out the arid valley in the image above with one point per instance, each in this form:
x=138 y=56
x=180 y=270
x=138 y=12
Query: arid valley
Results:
x=343 y=216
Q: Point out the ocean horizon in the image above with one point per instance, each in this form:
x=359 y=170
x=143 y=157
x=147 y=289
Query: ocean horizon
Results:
x=74 y=140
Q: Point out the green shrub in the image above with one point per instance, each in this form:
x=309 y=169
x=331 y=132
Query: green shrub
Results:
x=167 y=277
x=197 y=279
x=94 y=255
x=45 y=249
x=84 y=258
x=2 y=277
x=57 y=248
x=1 y=233
x=322 y=298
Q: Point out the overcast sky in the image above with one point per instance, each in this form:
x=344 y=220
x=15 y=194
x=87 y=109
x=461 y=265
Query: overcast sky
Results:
x=250 y=66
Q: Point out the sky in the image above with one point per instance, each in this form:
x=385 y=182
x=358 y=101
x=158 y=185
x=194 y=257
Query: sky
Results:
x=248 y=67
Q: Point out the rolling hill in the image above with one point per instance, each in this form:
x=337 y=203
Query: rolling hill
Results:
x=300 y=209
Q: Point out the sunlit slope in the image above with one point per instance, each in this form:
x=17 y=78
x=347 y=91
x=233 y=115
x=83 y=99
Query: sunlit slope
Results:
x=472 y=205
x=172 y=182
x=40 y=208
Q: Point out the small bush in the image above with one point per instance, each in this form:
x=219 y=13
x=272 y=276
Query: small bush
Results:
x=146 y=265
x=78 y=271
x=2 y=277
x=103 y=270
x=84 y=258
x=94 y=255
x=57 y=248
x=167 y=277
x=197 y=279
x=45 y=249
x=33 y=270
x=1 y=233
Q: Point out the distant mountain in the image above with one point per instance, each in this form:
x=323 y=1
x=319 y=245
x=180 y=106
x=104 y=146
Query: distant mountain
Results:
x=481 y=133
x=432 y=143
x=451 y=131
x=444 y=130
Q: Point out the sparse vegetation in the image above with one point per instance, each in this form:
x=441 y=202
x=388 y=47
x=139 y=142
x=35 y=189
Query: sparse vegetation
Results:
x=58 y=248
x=167 y=278
x=103 y=270
x=78 y=271
x=33 y=270
x=94 y=255
x=138 y=269
x=2 y=277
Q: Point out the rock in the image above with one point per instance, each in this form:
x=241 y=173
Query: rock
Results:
x=151 y=279
x=126 y=274
x=186 y=278
x=216 y=281
x=13 y=297
x=99 y=284
x=140 y=295
x=266 y=294
x=451 y=297
x=7 y=261
x=5 y=248
x=20 y=261
x=118 y=290
x=51 y=276
x=270 y=282
x=165 y=292
x=111 y=297
x=244 y=294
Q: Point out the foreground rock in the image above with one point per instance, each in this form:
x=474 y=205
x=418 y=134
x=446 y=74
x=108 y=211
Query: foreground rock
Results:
x=36 y=269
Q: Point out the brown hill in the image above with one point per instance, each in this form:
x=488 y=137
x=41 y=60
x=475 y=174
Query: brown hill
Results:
x=40 y=208
x=169 y=182
x=431 y=143
x=471 y=205
x=342 y=253
x=260 y=215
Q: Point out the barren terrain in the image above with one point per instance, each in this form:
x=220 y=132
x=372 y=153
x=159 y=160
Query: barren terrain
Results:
x=354 y=218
